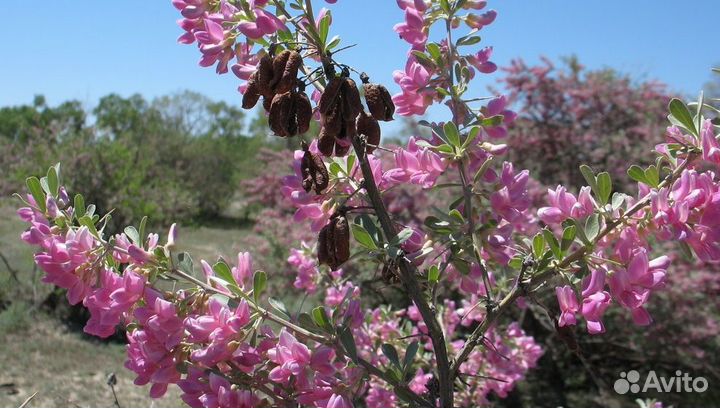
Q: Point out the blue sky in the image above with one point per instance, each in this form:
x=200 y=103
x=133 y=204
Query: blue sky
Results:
x=83 y=49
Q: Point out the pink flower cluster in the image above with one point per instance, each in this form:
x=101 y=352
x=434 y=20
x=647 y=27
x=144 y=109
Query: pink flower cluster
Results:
x=415 y=165
x=215 y=27
x=564 y=205
x=494 y=369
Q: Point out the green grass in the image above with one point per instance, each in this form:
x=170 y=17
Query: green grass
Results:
x=66 y=368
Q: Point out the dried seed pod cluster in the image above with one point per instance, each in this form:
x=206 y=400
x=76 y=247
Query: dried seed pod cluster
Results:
x=370 y=128
x=339 y=108
x=334 y=242
x=314 y=173
x=379 y=102
x=343 y=117
x=276 y=81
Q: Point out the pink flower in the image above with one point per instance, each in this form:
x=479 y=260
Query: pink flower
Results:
x=479 y=21
x=109 y=303
x=631 y=286
x=416 y=165
x=291 y=358
x=512 y=198
x=413 y=100
x=69 y=262
x=214 y=331
x=497 y=106
x=564 y=205
x=710 y=145
x=481 y=61
x=151 y=347
x=413 y=29
x=243 y=272
x=568 y=305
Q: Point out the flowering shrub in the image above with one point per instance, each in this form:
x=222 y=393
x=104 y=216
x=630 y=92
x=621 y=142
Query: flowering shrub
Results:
x=571 y=116
x=224 y=343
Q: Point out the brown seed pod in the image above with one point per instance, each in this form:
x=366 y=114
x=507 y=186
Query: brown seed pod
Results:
x=264 y=75
x=341 y=238
x=348 y=130
x=306 y=171
x=351 y=104
x=285 y=71
x=326 y=143
x=314 y=173
x=321 y=177
x=281 y=119
x=252 y=94
x=379 y=102
x=323 y=254
x=332 y=121
x=303 y=111
x=330 y=245
x=370 y=128
x=330 y=95
x=267 y=102
x=278 y=67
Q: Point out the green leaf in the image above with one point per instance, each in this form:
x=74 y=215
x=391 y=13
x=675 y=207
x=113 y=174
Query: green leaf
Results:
x=469 y=40
x=79 y=206
x=410 y=355
x=53 y=181
x=307 y=323
x=88 y=222
x=445 y=149
x=589 y=177
x=553 y=244
x=423 y=59
x=618 y=199
x=604 y=184
x=335 y=169
x=438 y=225
x=367 y=222
x=636 y=173
x=402 y=236
x=324 y=28
x=492 y=121
x=434 y=51
x=222 y=271
x=321 y=319
x=348 y=342
x=472 y=135
x=454 y=213
x=133 y=234
x=363 y=237
x=567 y=238
x=451 y=132
x=445 y=6
x=680 y=112
x=391 y=354
x=538 y=246
x=143 y=223
x=433 y=274
x=333 y=42
x=259 y=283
x=185 y=262
x=280 y=307
x=33 y=185
x=592 y=227
x=652 y=176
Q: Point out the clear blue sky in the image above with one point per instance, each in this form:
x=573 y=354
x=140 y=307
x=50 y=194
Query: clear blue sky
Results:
x=83 y=49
